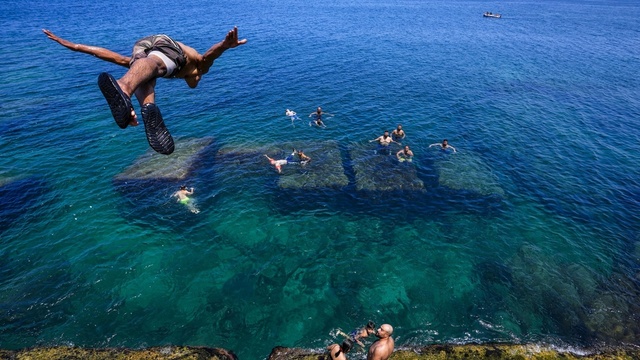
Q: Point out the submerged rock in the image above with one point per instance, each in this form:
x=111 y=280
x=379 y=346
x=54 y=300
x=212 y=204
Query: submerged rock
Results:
x=383 y=172
x=177 y=166
x=466 y=171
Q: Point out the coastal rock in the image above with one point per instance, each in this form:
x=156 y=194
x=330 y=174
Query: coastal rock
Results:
x=471 y=351
x=158 y=353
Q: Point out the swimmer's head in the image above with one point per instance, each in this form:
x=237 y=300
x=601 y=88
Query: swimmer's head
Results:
x=370 y=327
x=183 y=187
x=406 y=148
x=319 y=110
x=386 y=133
x=444 y=142
x=399 y=127
x=347 y=344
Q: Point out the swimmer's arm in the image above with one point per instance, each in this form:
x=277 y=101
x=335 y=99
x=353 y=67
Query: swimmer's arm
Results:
x=100 y=53
x=376 y=139
x=435 y=144
x=454 y=149
x=398 y=154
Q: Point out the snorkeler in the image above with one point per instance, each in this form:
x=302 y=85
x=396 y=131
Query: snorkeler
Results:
x=444 y=145
x=405 y=154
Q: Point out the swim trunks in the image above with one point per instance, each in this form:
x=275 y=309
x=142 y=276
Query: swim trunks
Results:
x=184 y=201
x=163 y=47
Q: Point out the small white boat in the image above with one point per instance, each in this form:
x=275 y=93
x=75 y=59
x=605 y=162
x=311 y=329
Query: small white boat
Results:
x=492 y=15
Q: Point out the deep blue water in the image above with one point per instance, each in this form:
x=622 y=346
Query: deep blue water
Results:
x=529 y=233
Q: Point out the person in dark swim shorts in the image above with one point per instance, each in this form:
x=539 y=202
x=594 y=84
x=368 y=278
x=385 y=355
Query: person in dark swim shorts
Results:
x=153 y=57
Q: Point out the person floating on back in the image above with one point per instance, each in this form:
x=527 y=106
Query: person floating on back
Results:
x=153 y=57
x=317 y=115
x=444 y=145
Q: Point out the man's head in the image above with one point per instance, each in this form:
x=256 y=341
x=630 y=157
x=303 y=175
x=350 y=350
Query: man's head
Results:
x=384 y=331
x=319 y=110
x=406 y=148
x=386 y=133
x=445 y=142
x=399 y=127
x=183 y=187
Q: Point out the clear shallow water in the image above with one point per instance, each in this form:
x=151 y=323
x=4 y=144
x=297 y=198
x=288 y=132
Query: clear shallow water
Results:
x=528 y=233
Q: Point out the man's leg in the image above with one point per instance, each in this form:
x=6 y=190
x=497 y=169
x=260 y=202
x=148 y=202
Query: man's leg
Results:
x=142 y=71
x=157 y=133
x=118 y=93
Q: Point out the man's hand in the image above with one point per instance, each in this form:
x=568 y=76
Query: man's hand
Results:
x=231 y=40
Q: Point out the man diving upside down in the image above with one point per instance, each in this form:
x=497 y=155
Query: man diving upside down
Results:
x=153 y=57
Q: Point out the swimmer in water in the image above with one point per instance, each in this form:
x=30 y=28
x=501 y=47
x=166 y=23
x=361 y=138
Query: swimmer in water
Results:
x=383 y=143
x=183 y=198
x=278 y=163
x=318 y=117
x=338 y=352
x=292 y=114
x=444 y=145
x=398 y=134
x=405 y=154
x=302 y=156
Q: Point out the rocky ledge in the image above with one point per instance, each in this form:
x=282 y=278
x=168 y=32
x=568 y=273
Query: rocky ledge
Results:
x=433 y=352
x=473 y=352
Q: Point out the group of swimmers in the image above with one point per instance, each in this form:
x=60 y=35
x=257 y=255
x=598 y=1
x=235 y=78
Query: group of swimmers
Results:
x=385 y=140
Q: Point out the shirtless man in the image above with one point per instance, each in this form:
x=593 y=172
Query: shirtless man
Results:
x=153 y=57
x=383 y=142
x=183 y=198
x=405 y=154
x=303 y=157
x=182 y=194
x=318 y=117
x=338 y=352
x=398 y=133
x=383 y=347
x=445 y=145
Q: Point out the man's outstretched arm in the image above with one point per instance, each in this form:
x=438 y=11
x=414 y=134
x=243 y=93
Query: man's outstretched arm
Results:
x=100 y=53
x=230 y=41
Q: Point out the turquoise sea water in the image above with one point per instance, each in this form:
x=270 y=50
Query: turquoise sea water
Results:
x=529 y=233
